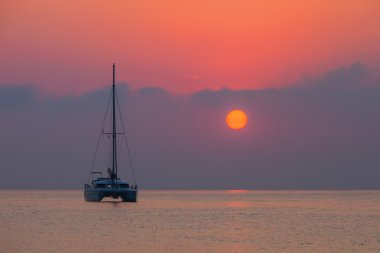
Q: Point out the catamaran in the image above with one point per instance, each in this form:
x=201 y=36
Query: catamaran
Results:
x=111 y=185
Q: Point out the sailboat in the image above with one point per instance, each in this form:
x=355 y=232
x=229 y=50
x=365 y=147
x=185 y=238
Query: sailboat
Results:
x=111 y=186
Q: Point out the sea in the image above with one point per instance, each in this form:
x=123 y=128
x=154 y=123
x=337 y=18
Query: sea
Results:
x=223 y=221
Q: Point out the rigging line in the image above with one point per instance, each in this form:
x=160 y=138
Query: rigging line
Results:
x=100 y=136
x=108 y=144
x=109 y=140
x=118 y=152
x=107 y=151
x=125 y=138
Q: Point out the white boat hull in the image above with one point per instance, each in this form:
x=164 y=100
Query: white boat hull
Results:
x=96 y=194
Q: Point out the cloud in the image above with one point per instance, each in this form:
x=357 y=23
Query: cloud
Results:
x=319 y=133
x=17 y=97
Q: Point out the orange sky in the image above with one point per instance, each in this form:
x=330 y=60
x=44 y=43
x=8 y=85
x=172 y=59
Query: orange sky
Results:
x=69 y=46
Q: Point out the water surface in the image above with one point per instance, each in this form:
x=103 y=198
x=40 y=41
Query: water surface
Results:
x=191 y=221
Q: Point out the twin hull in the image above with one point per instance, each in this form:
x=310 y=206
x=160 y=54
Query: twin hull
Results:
x=97 y=194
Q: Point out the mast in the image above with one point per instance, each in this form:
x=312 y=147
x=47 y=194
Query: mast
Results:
x=114 y=153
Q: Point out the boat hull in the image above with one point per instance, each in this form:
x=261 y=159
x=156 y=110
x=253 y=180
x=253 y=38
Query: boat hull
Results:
x=96 y=195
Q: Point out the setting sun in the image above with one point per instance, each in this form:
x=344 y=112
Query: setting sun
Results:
x=236 y=119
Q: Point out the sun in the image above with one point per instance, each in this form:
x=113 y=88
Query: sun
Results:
x=236 y=119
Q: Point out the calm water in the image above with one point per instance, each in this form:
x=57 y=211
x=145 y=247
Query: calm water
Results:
x=192 y=221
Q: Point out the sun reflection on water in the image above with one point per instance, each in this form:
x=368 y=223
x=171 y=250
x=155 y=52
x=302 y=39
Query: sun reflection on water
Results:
x=240 y=191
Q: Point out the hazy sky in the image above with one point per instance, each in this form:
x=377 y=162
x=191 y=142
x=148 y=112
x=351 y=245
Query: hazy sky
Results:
x=65 y=46
x=305 y=72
